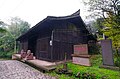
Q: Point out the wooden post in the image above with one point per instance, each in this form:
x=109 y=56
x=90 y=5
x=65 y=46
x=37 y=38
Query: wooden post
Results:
x=15 y=47
x=65 y=64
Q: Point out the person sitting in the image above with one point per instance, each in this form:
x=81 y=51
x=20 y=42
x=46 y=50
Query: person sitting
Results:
x=29 y=55
x=23 y=54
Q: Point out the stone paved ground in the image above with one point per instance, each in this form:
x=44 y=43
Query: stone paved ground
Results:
x=13 y=69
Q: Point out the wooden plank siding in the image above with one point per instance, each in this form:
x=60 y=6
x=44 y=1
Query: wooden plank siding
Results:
x=64 y=32
x=24 y=45
x=63 y=41
x=43 y=50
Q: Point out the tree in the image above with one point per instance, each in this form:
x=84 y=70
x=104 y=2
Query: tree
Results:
x=101 y=7
x=18 y=27
x=14 y=30
x=2 y=28
x=112 y=30
x=109 y=10
x=98 y=26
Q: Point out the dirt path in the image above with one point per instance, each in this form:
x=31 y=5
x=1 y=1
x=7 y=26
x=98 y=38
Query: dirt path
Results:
x=12 y=69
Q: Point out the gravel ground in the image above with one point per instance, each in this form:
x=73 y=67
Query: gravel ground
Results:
x=13 y=69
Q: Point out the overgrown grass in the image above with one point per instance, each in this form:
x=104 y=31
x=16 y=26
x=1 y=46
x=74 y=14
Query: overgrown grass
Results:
x=94 y=69
x=99 y=72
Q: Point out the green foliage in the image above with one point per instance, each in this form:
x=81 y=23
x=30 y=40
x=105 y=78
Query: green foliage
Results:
x=117 y=58
x=94 y=48
x=94 y=70
x=6 y=42
x=2 y=28
x=96 y=60
x=4 y=55
x=14 y=30
x=109 y=10
x=18 y=27
x=113 y=29
x=99 y=25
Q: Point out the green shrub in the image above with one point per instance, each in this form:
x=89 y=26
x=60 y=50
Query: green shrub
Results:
x=96 y=60
x=6 y=54
x=116 y=58
x=94 y=48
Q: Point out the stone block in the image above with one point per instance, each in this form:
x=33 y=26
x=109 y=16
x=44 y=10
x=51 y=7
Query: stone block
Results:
x=82 y=61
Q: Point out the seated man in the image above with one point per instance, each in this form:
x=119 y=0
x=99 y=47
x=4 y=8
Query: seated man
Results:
x=29 y=55
x=23 y=54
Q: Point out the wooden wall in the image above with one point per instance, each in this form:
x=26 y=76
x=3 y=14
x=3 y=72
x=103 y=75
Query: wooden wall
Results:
x=43 y=48
x=24 y=45
x=60 y=49
x=63 y=41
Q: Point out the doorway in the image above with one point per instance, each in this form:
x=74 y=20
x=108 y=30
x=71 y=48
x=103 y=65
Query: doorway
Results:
x=32 y=45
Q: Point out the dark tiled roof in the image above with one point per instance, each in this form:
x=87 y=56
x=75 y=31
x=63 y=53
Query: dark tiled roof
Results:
x=52 y=22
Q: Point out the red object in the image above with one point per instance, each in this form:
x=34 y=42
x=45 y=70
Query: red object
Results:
x=29 y=56
x=23 y=54
x=80 y=49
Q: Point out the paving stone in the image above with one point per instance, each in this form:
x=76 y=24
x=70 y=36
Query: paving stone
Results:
x=13 y=69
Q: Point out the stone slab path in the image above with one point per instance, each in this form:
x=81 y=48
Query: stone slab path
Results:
x=13 y=69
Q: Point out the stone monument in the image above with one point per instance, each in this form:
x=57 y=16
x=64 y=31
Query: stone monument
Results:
x=107 y=54
x=81 y=55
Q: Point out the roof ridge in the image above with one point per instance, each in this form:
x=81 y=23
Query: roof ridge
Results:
x=76 y=14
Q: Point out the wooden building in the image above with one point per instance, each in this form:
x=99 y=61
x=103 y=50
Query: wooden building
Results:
x=51 y=38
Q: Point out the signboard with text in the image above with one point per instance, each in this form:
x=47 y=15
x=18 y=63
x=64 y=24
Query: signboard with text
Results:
x=81 y=49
